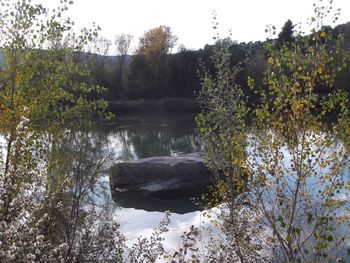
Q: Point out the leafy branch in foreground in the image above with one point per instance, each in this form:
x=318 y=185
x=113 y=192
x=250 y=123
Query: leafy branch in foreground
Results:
x=222 y=125
x=291 y=167
x=42 y=94
x=299 y=162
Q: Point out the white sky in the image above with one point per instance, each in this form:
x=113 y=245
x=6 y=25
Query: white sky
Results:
x=191 y=20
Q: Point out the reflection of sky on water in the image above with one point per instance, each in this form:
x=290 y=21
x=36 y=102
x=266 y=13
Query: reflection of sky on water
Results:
x=140 y=137
x=311 y=162
x=139 y=222
x=134 y=138
x=144 y=222
x=319 y=177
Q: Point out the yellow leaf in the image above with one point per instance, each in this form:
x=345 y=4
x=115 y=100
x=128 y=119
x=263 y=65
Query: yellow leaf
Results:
x=323 y=34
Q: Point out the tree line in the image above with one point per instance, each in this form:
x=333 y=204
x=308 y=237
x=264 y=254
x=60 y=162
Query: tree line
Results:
x=154 y=71
x=284 y=176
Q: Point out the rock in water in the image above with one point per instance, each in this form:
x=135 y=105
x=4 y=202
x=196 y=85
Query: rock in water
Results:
x=162 y=177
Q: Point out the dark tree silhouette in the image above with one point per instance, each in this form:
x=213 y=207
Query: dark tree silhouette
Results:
x=286 y=35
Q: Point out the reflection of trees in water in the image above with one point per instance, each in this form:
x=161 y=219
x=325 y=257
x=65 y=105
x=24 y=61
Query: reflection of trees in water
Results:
x=115 y=144
x=162 y=140
x=135 y=137
x=77 y=163
x=151 y=143
x=126 y=146
x=86 y=155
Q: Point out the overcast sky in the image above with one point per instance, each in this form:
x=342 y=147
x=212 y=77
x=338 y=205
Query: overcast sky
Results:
x=191 y=20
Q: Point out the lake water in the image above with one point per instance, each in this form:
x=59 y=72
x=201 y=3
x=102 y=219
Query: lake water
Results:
x=134 y=137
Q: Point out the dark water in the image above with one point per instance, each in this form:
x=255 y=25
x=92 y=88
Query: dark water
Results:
x=134 y=137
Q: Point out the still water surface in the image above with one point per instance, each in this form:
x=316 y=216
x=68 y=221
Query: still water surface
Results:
x=134 y=137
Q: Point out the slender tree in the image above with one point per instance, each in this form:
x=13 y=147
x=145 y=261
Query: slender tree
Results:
x=123 y=43
x=297 y=160
x=286 y=35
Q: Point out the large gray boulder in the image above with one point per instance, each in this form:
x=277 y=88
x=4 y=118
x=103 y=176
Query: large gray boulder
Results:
x=162 y=177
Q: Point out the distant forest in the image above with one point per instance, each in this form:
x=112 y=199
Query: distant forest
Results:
x=154 y=72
